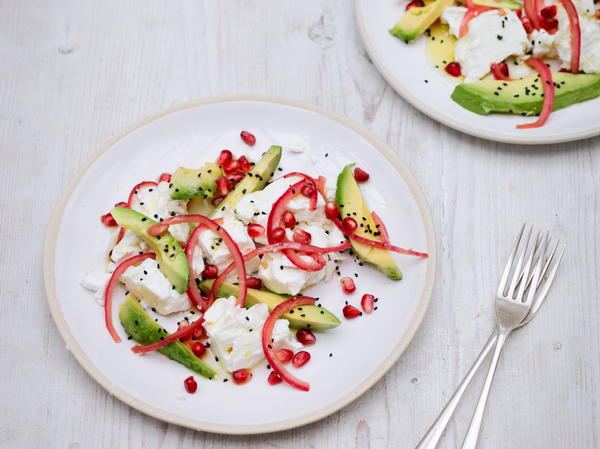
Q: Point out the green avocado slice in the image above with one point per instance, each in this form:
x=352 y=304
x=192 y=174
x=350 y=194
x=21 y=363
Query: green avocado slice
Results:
x=352 y=204
x=416 y=20
x=306 y=317
x=144 y=330
x=169 y=254
x=524 y=96
x=256 y=179
x=191 y=182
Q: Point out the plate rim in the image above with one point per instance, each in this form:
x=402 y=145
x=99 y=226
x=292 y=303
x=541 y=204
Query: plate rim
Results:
x=157 y=413
x=447 y=120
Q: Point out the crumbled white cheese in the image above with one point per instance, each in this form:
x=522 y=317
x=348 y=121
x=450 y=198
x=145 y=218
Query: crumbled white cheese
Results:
x=235 y=333
x=453 y=16
x=589 y=59
x=146 y=282
x=297 y=144
x=96 y=281
x=156 y=203
x=217 y=253
x=491 y=39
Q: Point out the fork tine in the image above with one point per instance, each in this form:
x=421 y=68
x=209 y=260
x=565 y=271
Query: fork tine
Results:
x=517 y=270
x=536 y=272
x=550 y=277
x=527 y=266
x=539 y=299
x=509 y=263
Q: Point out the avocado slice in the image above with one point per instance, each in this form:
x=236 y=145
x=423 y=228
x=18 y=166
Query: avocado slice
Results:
x=502 y=4
x=169 y=255
x=352 y=204
x=190 y=182
x=144 y=330
x=417 y=19
x=524 y=96
x=306 y=317
x=256 y=179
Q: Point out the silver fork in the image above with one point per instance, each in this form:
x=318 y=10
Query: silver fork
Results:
x=549 y=261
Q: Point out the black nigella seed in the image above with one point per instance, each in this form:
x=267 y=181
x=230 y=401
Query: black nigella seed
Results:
x=331 y=354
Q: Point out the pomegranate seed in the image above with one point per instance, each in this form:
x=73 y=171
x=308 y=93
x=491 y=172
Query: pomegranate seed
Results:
x=305 y=337
x=231 y=166
x=351 y=312
x=190 y=385
x=108 y=220
x=182 y=326
x=244 y=164
x=224 y=157
x=300 y=359
x=223 y=186
x=564 y=70
x=256 y=230
x=284 y=355
x=302 y=236
x=348 y=285
x=241 y=376
x=248 y=138
x=289 y=220
x=331 y=210
x=367 y=302
x=503 y=68
x=519 y=13
x=199 y=333
x=198 y=349
x=453 y=69
x=274 y=378
x=360 y=175
x=210 y=272
x=254 y=283
x=415 y=3
x=278 y=234
x=122 y=204
x=165 y=177
x=216 y=201
x=308 y=189
x=550 y=23
x=548 y=12
x=349 y=224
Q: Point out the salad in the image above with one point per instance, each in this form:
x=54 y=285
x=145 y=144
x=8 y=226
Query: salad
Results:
x=522 y=57
x=214 y=262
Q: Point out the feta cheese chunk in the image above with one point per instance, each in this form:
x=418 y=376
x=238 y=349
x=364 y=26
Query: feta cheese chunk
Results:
x=542 y=44
x=129 y=245
x=297 y=145
x=146 y=282
x=235 y=333
x=215 y=250
x=453 y=16
x=156 y=203
x=589 y=59
x=491 y=38
x=256 y=207
x=280 y=275
x=96 y=281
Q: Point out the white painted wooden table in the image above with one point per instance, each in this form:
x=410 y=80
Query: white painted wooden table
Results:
x=75 y=73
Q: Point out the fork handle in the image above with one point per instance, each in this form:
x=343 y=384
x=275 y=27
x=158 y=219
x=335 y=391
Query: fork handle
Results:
x=431 y=439
x=470 y=441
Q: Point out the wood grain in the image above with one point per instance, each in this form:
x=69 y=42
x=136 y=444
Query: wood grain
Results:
x=75 y=73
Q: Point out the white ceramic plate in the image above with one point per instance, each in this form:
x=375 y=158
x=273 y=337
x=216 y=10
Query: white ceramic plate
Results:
x=406 y=68
x=363 y=349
